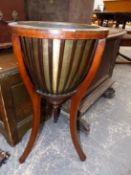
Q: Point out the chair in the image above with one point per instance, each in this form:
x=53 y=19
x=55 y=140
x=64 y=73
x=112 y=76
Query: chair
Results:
x=125 y=41
x=118 y=19
x=57 y=61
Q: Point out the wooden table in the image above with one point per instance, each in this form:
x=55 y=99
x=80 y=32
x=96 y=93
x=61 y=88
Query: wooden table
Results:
x=119 y=17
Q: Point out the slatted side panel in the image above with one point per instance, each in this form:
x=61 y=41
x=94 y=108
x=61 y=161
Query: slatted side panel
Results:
x=57 y=66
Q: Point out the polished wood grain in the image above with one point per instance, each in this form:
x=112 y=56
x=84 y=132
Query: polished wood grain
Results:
x=35 y=98
x=76 y=98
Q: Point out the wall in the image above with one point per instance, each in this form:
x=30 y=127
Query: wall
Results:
x=7 y=7
x=60 y=10
x=98 y=3
x=47 y=10
x=80 y=11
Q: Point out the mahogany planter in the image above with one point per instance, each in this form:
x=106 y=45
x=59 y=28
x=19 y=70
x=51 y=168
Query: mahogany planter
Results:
x=57 y=61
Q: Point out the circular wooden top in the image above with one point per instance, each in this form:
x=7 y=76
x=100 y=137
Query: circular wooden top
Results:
x=55 y=25
x=58 y=30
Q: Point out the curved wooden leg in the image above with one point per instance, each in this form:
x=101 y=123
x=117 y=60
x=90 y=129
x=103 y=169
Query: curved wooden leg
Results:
x=35 y=127
x=75 y=100
x=73 y=127
x=35 y=98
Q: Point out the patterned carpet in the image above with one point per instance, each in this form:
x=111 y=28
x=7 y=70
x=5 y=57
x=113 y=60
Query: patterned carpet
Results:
x=108 y=145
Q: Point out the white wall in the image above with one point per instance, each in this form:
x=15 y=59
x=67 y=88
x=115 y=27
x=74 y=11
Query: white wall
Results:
x=98 y=3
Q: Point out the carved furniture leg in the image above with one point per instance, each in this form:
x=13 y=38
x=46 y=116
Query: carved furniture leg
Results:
x=56 y=112
x=35 y=98
x=76 y=98
x=82 y=125
x=73 y=127
x=109 y=93
x=35 y=127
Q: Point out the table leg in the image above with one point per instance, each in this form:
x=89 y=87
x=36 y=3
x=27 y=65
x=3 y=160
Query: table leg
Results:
x=73 y=127
x=35 y=127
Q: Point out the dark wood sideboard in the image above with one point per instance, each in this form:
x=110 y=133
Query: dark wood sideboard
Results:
x=15 y=105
